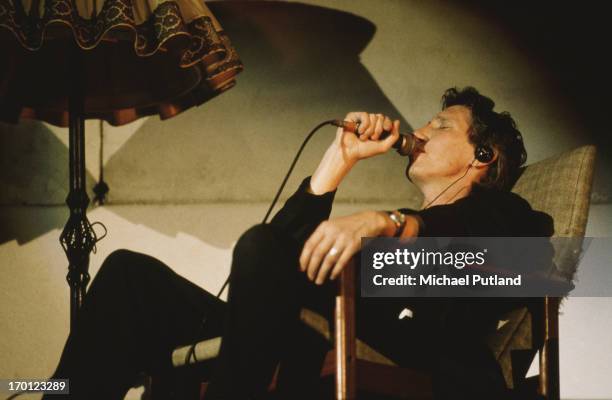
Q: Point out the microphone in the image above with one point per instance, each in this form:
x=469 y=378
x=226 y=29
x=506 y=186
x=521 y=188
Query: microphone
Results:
x=406 y=145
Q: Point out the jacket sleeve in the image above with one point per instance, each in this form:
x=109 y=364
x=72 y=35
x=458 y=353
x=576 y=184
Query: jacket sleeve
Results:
x=303 y=212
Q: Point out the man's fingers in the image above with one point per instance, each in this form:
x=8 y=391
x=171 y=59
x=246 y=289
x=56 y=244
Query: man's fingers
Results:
x=348 y=252
x=309 y=246
x=378 y=128
x=317 y=256
x=361 y=117
x=369 y=131
x=364 y=123
x=395 y=126
x=387 y=124
x=392 y=138
x=371 y=126
x=330 y=258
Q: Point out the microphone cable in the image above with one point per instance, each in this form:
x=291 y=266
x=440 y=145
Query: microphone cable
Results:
x=191 y=352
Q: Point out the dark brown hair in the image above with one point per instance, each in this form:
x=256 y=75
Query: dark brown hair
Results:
x=496 y=130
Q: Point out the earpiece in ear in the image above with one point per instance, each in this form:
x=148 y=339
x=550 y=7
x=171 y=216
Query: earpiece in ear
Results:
x=484 y=154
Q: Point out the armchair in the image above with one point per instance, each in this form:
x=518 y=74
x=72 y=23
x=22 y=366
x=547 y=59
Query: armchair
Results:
x=559 y=186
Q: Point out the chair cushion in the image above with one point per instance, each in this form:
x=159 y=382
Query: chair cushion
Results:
x=560 y=186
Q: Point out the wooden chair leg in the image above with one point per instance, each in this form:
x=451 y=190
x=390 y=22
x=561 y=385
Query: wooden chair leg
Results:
x=345 y=342
x=549 y=354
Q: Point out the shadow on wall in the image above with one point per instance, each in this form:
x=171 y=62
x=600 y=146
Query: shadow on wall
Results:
x=302 y=66
x=33 y=170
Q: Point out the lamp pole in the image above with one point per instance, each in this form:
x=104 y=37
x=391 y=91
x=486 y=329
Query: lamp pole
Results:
x=77 y=238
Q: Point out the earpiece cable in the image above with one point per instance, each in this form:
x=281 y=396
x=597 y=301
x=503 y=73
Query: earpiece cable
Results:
x=451 y=185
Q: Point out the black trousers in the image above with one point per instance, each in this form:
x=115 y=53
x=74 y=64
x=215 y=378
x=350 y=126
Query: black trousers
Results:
x=137 y=311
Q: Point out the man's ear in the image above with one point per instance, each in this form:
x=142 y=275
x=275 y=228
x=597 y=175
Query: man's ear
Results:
x=488 y=156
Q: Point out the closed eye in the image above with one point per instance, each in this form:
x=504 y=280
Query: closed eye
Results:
x=438 y=125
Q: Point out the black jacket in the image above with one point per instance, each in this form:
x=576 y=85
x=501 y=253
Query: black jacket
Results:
x=457 y=326
x=484 y=212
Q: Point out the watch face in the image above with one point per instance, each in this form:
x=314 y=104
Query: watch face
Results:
x=398 y=217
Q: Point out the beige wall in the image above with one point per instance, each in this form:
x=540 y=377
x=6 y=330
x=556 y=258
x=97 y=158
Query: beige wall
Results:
x=185 y=188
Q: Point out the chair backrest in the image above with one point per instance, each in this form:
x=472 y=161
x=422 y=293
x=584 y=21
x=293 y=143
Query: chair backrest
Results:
x=559 y=186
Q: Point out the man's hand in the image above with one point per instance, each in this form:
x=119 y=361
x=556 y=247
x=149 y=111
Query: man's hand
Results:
x=365 y=142
x=336 y=240
x=348 y=148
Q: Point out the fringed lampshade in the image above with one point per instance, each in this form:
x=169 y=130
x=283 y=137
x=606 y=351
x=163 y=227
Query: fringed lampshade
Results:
x=143 y=58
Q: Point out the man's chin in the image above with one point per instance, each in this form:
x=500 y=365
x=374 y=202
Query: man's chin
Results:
x=410 y=173
x=414 y=174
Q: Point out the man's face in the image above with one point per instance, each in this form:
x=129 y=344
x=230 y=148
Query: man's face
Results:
x=447 y=153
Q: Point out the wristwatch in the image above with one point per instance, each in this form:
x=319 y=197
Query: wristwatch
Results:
x=399 y=220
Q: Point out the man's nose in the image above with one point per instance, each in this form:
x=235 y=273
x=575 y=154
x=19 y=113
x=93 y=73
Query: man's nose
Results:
x=421 y=134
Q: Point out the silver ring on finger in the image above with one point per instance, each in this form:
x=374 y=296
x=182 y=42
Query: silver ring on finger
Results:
x=333 y=251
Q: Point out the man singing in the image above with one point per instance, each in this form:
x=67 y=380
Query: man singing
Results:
x=138 y=310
